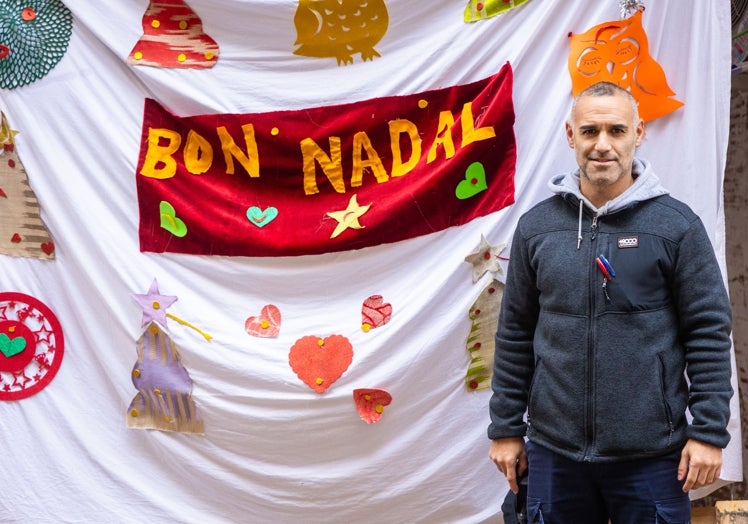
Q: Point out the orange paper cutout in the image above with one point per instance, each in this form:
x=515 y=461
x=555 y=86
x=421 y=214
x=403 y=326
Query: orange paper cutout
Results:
x=618 y=52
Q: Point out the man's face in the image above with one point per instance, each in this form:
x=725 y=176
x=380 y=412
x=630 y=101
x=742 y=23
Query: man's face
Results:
x=604 y=137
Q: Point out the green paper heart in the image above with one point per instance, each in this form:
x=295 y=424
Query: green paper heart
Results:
x=474 y=183
x=262 y=218
x=170 y=221
x=11 y=347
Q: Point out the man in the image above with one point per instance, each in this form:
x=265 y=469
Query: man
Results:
x=612 y=292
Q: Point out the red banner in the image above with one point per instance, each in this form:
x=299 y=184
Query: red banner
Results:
x=326 y=179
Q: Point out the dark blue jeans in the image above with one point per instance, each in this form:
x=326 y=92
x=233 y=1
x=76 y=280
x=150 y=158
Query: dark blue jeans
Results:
x=563 y=491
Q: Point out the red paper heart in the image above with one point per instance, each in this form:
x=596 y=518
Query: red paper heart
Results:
x=320 y=362
x=370 y=403
x=16 y=238
x=48 y=247
x=375 y=312
x=266 y=325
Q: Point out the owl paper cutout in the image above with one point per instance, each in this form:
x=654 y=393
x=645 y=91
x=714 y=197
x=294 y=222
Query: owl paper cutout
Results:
x=22 y=231
x=618 y=52
x=340 y=28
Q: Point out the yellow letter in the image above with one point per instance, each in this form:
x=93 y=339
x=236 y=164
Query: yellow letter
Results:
x=443 y=136
x=332 y=167
x=250 y=161
x=362 y=143
x=159 y=162
x=397 y=128
x=469 y=133
x=198 y=154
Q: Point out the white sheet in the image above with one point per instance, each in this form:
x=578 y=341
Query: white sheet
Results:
x=273 y=450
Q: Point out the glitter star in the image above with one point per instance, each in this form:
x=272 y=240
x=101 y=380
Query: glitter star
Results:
x=485 y=259
x=154 y=305
x=7 y=135
x=629 y=6
x=348 y=218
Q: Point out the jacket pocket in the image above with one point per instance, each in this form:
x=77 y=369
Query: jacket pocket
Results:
x=663 y=398
x=634 y=409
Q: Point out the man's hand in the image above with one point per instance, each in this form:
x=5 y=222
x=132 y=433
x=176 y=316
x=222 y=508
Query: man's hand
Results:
x=509 y=456
x=700 y=464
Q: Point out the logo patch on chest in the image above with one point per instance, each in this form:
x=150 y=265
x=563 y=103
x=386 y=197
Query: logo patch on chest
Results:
x=627 y=242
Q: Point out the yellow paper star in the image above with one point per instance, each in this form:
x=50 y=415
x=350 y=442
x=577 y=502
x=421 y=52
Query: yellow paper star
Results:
x=6 y=133
x=348 y=217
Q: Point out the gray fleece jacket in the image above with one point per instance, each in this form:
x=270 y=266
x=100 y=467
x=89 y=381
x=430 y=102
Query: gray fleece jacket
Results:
x=598 y=361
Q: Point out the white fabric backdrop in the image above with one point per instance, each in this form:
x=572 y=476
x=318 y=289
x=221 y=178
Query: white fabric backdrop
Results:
x=273 y=450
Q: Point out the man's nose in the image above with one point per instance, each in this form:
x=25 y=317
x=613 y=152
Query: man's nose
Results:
x=602 y=143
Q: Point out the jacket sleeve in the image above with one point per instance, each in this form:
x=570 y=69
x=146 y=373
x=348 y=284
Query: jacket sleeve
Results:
x=705 y=323
x=513 y=357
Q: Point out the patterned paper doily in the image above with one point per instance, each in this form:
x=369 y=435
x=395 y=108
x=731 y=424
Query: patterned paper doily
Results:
x=34 y=35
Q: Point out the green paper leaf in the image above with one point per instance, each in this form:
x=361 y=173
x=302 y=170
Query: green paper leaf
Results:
x=170 y=221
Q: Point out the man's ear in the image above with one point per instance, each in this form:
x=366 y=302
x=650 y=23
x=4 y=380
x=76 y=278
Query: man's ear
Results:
x=569 y=134
x=641 y=132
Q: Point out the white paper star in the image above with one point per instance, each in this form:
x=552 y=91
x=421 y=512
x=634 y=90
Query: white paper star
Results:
x=485 y=259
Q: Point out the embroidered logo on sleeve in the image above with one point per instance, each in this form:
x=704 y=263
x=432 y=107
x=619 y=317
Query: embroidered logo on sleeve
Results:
x=627 y=242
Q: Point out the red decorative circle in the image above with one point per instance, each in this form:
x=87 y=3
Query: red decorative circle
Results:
x=29 y=371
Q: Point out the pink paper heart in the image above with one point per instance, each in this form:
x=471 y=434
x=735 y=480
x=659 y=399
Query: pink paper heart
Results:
x=375 y=312
x=370 y=403
x=266 y=325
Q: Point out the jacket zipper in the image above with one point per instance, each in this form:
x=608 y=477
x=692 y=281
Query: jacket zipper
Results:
x=593 y=229
x=590 y=346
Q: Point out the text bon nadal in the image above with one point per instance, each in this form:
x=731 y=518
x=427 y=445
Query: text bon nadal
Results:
x=197 y=153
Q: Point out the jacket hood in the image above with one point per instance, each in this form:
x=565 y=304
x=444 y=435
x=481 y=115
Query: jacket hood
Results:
x=646 y=186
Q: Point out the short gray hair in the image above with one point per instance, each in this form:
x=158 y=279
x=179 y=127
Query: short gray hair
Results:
x=606 y=89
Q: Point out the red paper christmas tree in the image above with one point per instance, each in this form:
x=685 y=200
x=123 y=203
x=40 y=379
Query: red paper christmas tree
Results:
x=173 y=37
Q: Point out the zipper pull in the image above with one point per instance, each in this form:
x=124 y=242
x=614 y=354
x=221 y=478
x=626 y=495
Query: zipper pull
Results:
x=605 y=289
x=593 y=229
